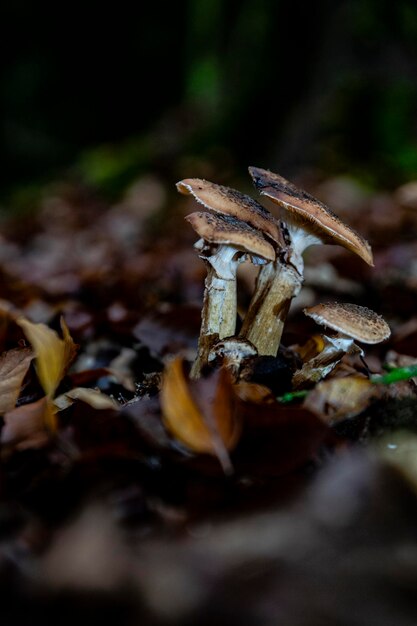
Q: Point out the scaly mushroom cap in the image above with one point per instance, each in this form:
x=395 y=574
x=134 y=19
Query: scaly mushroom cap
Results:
x=231 y=202
x=352 y=320
x=306 y=209
x=224 y=229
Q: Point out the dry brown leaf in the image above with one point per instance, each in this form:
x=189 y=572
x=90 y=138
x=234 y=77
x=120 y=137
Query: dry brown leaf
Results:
x=53 y=354
x=201 y=414
x=27 y=426
x=13 y=367
x=121 y=368
x=93 y=397
x=339 y=398
x=252 y=392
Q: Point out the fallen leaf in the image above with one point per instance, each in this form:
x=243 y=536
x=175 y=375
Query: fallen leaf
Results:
x=53 y=354
x=13 y=367
x=93 y=397
x=340 y=398
x=201 y=414
x=121 y=368
x=26 y=427
x=252 y=392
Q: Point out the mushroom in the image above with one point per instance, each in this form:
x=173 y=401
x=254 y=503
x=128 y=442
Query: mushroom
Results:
x=352 y=323
x=233 y=353
x=225 y=242
x=308 y=222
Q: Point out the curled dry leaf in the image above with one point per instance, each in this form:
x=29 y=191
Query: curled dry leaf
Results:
x=339 y=398
x=95 y=398
x=200 y=413
x=53 y=354
x=252 y=392
x=53 y=357
x=13 y=367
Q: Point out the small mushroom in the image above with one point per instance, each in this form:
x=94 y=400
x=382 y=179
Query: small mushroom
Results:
x=225 y=242
x=308 y=222
x=233 y=353
x=352 y=323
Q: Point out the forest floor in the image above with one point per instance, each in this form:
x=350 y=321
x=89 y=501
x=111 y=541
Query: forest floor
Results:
x=106 y=515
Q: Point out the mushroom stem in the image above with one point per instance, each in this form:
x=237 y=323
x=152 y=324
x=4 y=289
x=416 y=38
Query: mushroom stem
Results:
x=232 y=353
x=225 y=242
x=218 y=317
x=278 y=283
x=276 y=286
x=308 y=222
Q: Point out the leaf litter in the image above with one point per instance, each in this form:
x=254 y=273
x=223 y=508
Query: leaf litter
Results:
x=99 y=315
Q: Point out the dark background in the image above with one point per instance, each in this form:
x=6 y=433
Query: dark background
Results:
x=109 y=91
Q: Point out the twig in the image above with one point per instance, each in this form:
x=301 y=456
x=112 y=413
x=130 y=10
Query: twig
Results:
x=292 y=395
x=395 y=375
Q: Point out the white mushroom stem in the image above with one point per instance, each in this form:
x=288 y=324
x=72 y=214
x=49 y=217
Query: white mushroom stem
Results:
x=277 y=284
x=218 y=317
x=321 y=365
x=300 y=239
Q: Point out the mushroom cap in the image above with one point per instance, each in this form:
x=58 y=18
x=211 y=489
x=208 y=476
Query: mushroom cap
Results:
x=231 y=202
x=313 y=214
x=224 y=229
x=352 y=320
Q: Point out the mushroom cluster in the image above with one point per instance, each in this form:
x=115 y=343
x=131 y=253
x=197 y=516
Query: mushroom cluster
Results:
x=234 y=228
x=237 y=228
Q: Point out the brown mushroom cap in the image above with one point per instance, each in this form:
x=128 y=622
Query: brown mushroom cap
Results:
x=307 y=209
x=352 y=320
x=231 y=202
x=224 y=229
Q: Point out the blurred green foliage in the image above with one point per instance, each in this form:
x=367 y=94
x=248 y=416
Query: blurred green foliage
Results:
x=117 y=90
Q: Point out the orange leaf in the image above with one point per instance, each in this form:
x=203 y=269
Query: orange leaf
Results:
x=200 y=413
x=339 y=398
x=252 y=392
x=53 y=354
